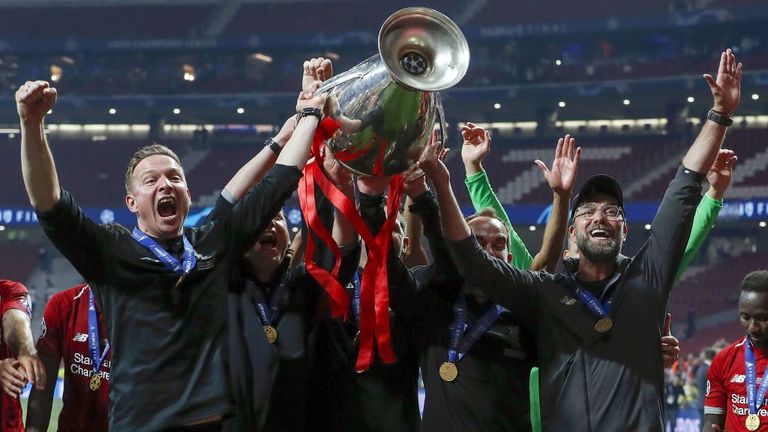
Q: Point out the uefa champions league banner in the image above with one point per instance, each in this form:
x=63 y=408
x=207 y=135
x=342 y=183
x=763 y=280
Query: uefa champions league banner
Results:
x=532 y=214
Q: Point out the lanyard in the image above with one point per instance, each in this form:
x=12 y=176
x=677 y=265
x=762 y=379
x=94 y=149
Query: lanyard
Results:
x=169 y=260
x=269 y=313
x=754 y=401
x=356 y=298
x=598 y=309
x=461 y=345
x=93 y=335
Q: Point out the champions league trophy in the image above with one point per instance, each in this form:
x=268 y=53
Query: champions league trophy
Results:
x=389 y=104
x=383 y=113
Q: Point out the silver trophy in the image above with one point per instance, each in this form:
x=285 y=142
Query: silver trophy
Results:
x=389 y=104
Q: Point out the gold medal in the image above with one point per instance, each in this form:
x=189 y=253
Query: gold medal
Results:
x=603 y=325
x=271 y=333
x=448 y=371
x=95 y=382
x=752 y=422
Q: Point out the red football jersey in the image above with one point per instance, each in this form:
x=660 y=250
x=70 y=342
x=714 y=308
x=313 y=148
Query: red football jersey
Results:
x=13 y=295
x=727 y=387
x=65 y=335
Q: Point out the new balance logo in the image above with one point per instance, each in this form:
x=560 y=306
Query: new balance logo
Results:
x=738 y=378
x=80 y=337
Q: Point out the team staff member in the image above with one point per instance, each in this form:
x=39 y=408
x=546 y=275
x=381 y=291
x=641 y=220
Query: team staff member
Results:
x=284 y=302
x=736 y=380
x=598 y=324
x=477 y=358
x=19 y=361
x=70 y=321
x=384 y=397
x=161 y=287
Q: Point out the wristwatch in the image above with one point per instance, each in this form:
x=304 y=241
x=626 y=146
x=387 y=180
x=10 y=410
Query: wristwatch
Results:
x=719 y=118
x=311 y=111
x=273 y=145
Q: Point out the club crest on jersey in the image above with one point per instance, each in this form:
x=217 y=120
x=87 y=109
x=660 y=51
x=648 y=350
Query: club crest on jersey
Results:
x=568 y=300
x=24 y=302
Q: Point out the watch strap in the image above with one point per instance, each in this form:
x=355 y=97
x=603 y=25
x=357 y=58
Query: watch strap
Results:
x=721 y=119
x=273 y=145
x=311 y=111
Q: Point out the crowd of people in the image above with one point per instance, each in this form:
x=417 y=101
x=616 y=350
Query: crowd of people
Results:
x=230 y=325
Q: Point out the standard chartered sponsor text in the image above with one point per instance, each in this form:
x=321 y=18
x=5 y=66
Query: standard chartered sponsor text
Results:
x=83 y=366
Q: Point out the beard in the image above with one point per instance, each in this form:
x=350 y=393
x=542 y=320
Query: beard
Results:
x=604 y=252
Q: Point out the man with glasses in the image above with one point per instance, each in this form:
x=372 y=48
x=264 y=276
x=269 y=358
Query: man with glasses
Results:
x=598 y=324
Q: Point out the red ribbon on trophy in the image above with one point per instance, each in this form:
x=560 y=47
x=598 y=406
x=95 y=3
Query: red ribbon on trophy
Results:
x=374 y=322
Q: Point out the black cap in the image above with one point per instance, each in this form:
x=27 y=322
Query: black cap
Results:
x=599 y=184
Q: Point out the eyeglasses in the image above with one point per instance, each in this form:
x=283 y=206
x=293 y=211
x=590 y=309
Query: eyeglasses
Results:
x=611 y=212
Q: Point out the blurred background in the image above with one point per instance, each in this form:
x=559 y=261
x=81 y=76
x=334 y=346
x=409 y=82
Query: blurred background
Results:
x=213 y=79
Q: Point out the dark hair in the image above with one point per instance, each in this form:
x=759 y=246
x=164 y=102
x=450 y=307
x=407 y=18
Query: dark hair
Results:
x=757 y=281
x=709 y=353
x=488 y=212
x=143 y=153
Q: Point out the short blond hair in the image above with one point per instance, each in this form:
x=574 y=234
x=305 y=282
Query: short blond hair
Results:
x=143 y=153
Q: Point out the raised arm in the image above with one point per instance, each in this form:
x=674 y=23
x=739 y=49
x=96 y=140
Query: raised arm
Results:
x=561 y=179
x=726 y=92
x=33 y=101
x=719 y=178
x=413 y=249
x=490 y=275
x=476 y=146
x=671 y=228
x=255 y=169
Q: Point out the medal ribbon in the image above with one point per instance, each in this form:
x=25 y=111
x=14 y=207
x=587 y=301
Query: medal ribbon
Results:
x=169 y=260
x=356 y=298
x=460 y=346
x=93 y=336
x=269 y=313
x=753 y=402
x=600 y=310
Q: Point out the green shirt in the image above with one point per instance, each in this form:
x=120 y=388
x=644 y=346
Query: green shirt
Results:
x=482 y=196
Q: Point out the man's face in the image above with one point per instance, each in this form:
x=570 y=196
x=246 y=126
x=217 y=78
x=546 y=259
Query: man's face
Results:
x=159 y=196
x=753 y=316
x=492 y=236
x=598 y=237
x=270 y=249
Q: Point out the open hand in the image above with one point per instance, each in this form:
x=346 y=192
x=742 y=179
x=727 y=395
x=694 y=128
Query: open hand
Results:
x=719 y=176
x=476 y=146
x=562 y=177
x=726 y=89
